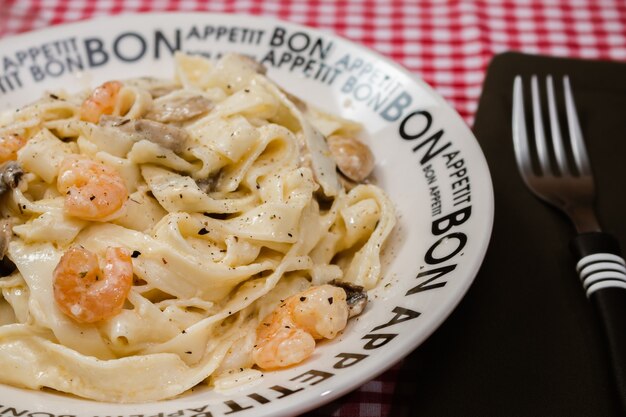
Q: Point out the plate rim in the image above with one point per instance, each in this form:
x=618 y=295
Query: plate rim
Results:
x=437 y=315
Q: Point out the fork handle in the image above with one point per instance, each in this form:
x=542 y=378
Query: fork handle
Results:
x=602 y=271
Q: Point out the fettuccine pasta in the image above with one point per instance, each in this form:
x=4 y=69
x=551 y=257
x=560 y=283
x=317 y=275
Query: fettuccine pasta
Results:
x=157 y=234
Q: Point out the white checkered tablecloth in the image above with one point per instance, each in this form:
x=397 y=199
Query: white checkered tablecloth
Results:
x=447 y=43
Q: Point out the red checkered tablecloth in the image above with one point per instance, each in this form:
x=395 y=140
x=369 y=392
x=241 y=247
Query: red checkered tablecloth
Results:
x=448 y=43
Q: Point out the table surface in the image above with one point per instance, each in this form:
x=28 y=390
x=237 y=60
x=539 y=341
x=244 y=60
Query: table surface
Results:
x=449 y=44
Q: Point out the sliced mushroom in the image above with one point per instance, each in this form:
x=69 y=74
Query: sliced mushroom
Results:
x=5 y=236
x=354 y=158
x=170 y=137
x=6 y=266
x=10 y=174
x=356 y=297
x=258 y=67
x=178 y=108
x=161 y=91
x=209 y=184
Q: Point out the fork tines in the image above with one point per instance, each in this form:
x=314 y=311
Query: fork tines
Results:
x=579 y=153
x=563 y=180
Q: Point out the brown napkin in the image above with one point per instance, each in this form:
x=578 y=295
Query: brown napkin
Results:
x=525 y=340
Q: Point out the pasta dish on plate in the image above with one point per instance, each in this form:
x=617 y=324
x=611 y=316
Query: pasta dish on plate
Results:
x=158 y=233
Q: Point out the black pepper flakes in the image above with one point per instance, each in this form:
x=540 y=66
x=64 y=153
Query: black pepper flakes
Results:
x=330 y=300
x=203 y=231
x=303 y=299
x=135 y=254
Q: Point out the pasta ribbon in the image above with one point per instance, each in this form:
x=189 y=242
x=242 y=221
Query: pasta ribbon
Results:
x=215 y=188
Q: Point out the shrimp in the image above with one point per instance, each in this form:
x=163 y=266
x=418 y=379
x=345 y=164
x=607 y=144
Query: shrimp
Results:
x=93 y=191
x=287 y=335
x=9 y=145
x=88 y=293
x=101 y=101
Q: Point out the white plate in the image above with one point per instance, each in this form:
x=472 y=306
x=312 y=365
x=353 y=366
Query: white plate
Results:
x=428 y=161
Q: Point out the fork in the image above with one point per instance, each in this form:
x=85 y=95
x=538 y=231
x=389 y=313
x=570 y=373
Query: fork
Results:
x=567 y=183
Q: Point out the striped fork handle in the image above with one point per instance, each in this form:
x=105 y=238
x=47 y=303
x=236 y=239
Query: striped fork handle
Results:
x=601 y=265
x=602 y=271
